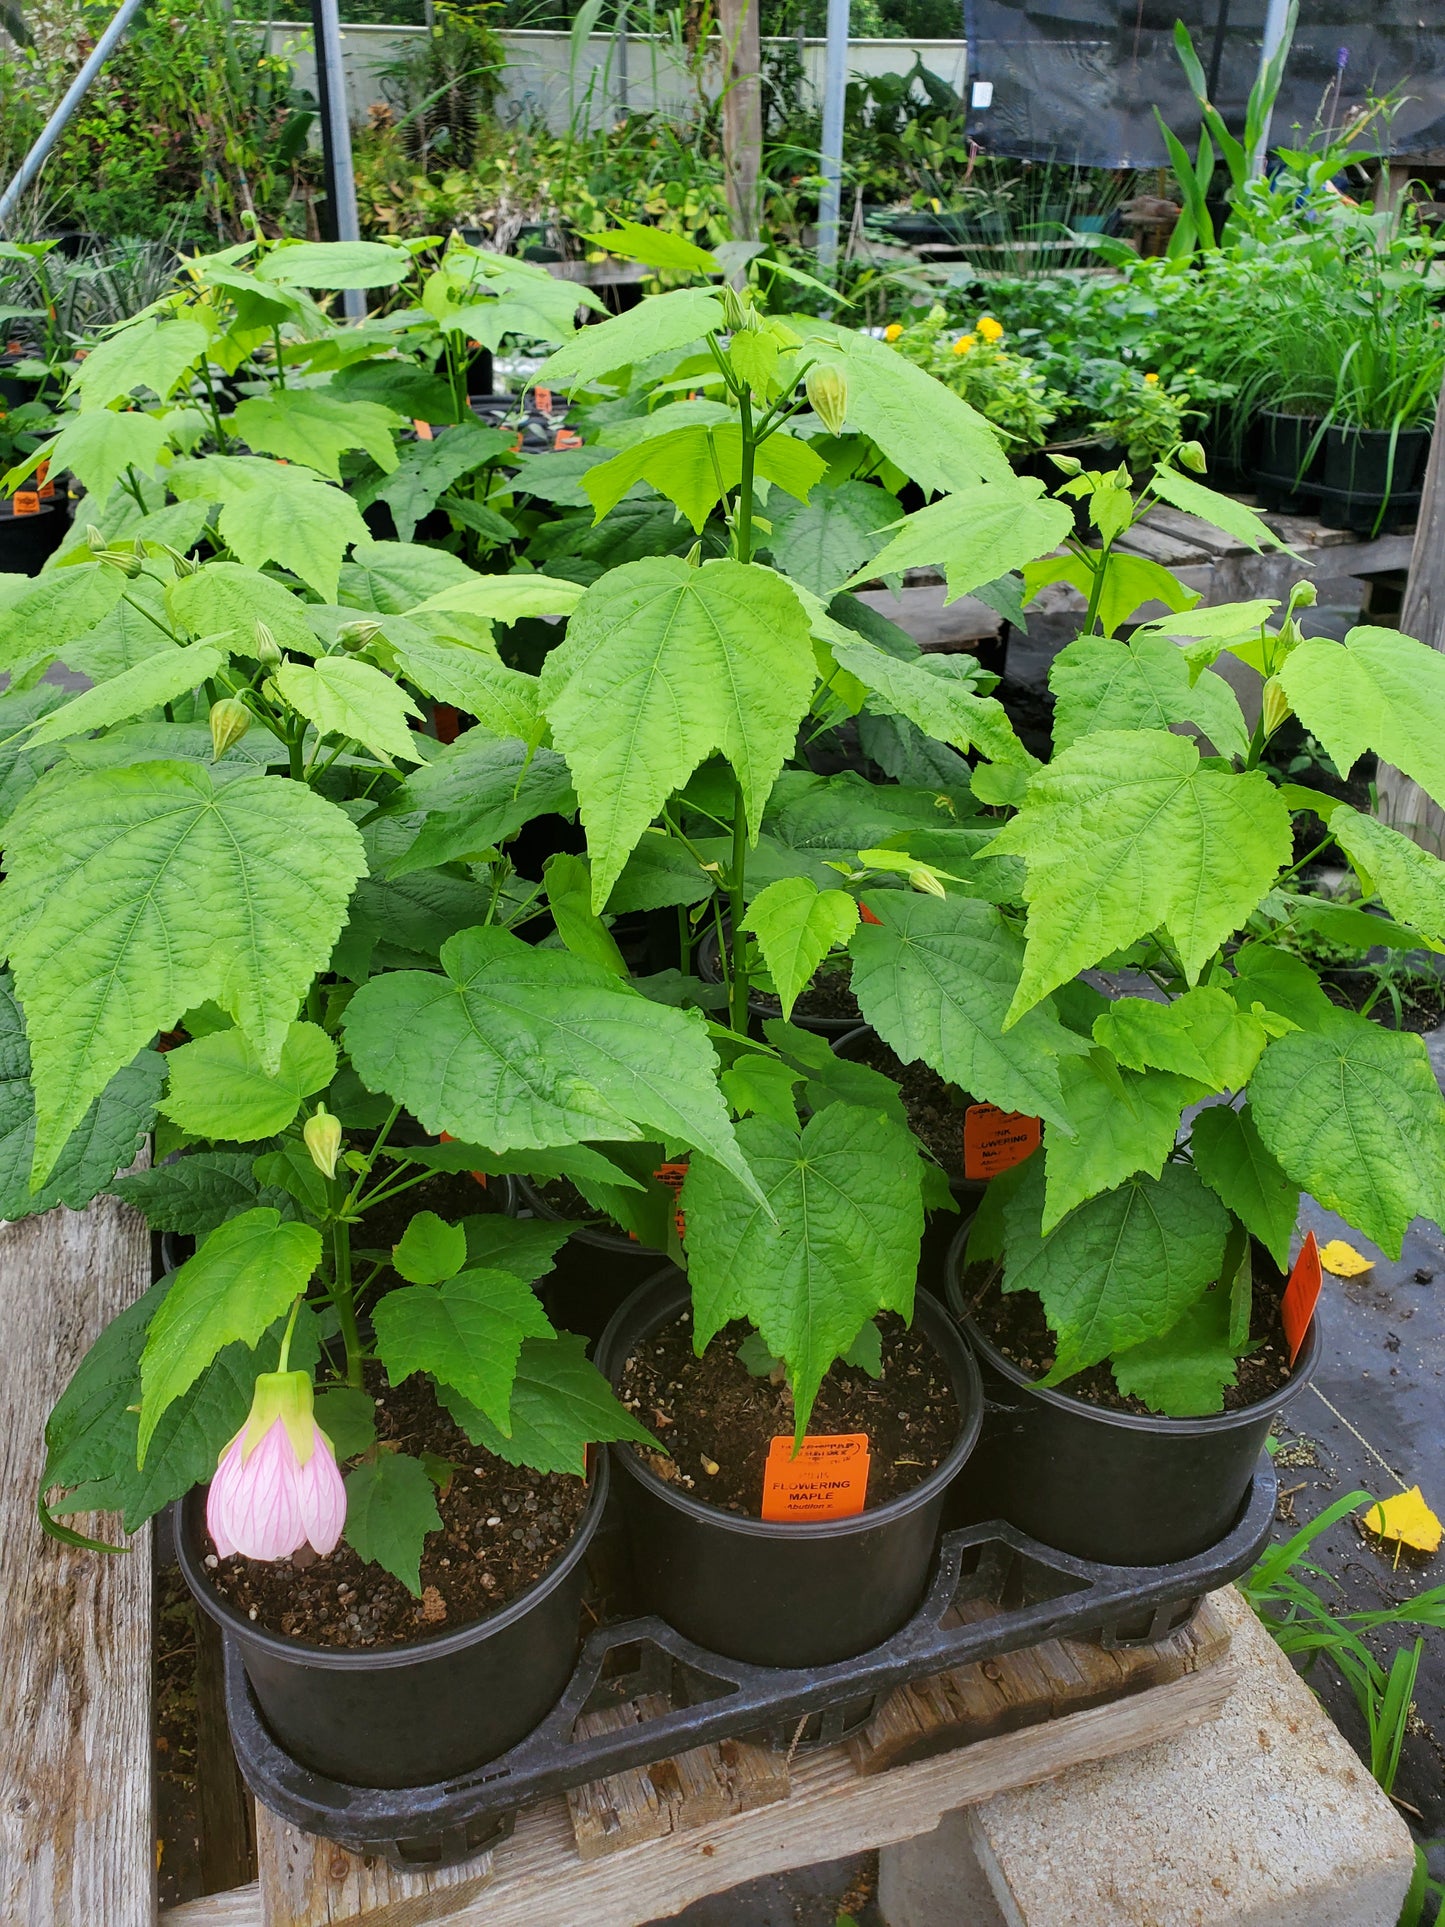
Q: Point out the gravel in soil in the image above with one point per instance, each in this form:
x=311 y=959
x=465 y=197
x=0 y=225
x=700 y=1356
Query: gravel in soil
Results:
x=504 y=1526
x=1014 y=1321
x=718 y=1420
x=935 y=1109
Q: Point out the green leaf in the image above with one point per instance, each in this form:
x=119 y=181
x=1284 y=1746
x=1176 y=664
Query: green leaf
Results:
x=219 y=1087
x=696 y=466
x=504 y=598
x=849 y=1218
x=430 y=1250
x=146 y=354
x=661 y=873
x=764 y=1085
x=473 y=678
x=796 y=925
x=558 y=478
x=105 y=1141
x=224 y=602
x=391 y=577
x=833 y=1079
x=158 y=679
x=653 y=327
x=54 y=608
x=335 y=264
x=122 y=639
x=561 y=1404
x=866 y=1351
x=568 y=883
x=1408 y=880
x=1125 y=833
x=934 y=977
x=822 y=541
x=428 y=469
x=1202 y=1035
x=1143 y=684
x=1123 y=1122
x=467 y=1333
x=345 y=697
x=1230 y=1156
x=1281 y=984
x=1221 y=511
x=934 y=694
x=516 y=1047
x=134 y=894
x=1129 y=580
x=1378 y=690
x=275 y=512
x=662 y=665
x=348 y=1418
x=196 y=1192
x=1184 y=1373
x=390 y=1509
x=655 y=246
x=241 y=1279
x=977 y=535
x=1122 y=1268
x=310 y=426
x=478 y=791
x=99 y=446
x=921 y=426
x=1353 y=1114
x=524 y=1246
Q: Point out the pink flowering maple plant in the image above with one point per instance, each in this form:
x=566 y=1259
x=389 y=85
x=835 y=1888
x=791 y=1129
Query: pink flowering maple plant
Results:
x=277 y=1485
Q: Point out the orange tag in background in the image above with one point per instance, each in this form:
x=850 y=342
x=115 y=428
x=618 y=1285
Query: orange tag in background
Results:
x=46 y=491
x=1301 y=1295
x=517 y=444
x=995 y=1140
x=867 y=915
x=567 y=438
x=542 y=398
x=423 y=431
x=827 y=1480
x=27 y=502
x=673 y=1176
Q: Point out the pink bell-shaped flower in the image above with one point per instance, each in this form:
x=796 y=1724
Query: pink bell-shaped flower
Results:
x=276 y=1485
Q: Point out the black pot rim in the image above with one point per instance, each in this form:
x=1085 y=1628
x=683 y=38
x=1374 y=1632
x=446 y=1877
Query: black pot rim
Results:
x=530 y=1194
x=966 y=1190
x=1301 y=1373
x=409 y=1652
x=705 y=952
x=961 y=1363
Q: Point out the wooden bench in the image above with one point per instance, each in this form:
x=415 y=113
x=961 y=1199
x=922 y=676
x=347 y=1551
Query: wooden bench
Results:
x=78 y=1844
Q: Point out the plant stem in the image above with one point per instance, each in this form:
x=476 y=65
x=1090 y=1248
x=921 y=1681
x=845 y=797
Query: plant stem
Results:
x=280 y=365
x=297 y=769
x=284 y=1359
x=743 y=525
x=222 y=438
x=1096 y=591
x=738 y=986
x=344 y=1301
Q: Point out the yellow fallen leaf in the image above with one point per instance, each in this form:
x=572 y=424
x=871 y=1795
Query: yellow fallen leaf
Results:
x=1406 y=1517
x=1343 y=1260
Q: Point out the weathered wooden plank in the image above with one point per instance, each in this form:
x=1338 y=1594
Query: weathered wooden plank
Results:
x=539 y=1879
x=76 y=1807
x=1191 y=530
x=921 y=612
x=1160 y=546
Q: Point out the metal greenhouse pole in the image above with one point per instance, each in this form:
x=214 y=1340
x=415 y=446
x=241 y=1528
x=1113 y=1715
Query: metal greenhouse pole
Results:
x=835 y=86
x=74 y=94
x=341 y=222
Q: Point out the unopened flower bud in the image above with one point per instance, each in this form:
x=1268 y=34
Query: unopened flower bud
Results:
x=323 y=1140
x=356 y=635
x=230 y=719
x=277 y=1487
x=1191 y=455
x=1070 y=464
x=827 y=390
x=1277 y=708
x=922 y=878
x=734 y=312
x=182 y=564
x=94 y=540
x=126 y=560
x=1303 y=595
x=268 y=650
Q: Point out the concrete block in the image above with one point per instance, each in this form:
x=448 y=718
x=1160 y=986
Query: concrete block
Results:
x=1264 y=1817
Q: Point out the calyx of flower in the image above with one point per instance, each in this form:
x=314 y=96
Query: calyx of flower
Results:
x=286 y=1396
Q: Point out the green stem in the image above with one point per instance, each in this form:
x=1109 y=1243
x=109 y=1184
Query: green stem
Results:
x=1096 y=591
x=738 y=986
x=391 y=1189
x=284 y=1359
x=223 y=440
x=132 y=482
x=344 y=1300
x=297 y=764
x=349 y=1202
x=280 y=365
x=684 y=940
x=743 y=525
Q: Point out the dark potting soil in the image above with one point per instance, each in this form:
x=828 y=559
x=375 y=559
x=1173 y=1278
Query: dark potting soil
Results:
x=935 y=1109
x=1015 y=1322
x=504 y=1525
x=452 y=1195
x=1422 y=999
x=718 y=1421
x=829 y=995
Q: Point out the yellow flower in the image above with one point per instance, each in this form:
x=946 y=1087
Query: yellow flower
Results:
x=990 y=329
x=964 y=343
x=1151 y=378
x=893 y=331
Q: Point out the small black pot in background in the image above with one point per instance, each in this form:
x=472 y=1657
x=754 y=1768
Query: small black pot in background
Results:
x=1359 y=461
x=428 y=1709
x=594 y=1273
x=781 y=1595
x=1287 y=459
x=28 y=541
x=1118 y=1487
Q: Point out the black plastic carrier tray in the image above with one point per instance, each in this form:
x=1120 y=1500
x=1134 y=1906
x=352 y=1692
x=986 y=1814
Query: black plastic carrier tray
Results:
x=1037 y=1593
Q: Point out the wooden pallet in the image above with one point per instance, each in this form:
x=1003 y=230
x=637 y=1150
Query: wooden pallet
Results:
x=77 y=1838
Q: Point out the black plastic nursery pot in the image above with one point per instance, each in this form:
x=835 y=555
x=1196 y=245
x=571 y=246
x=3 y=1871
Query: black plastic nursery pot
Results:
x=1358 y=461
x=594 y=1273
x=422 y=1711
x=1287 y=459
x=1118 y=1487
x=27 y=541
x=708 y=965
x=772 y=1594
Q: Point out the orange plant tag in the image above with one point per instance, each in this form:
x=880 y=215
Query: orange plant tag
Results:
x=46 y=491
x=480 y=1176
x=567 y=438
x=517 y=444
x=543 y=399
x=1301 y=1295
x=995 y=1140
x=423 y=431
x=827 y=1480
x=866 y=914
x=673 y=1176
x=27 y=502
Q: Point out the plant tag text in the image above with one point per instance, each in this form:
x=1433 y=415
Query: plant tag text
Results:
x=995 y=1140
x=827 y=1480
